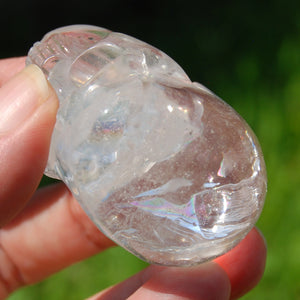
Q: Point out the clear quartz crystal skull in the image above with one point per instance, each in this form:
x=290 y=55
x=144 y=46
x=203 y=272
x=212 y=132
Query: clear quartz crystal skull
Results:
x=160 y=164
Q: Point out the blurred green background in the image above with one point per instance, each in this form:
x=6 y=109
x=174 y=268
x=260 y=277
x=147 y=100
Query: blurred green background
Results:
x=248 y=53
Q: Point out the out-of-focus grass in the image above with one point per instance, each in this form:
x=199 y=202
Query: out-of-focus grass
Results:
x=277 y=124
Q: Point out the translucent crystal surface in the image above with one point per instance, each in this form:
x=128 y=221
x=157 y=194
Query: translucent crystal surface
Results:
x=160 y=164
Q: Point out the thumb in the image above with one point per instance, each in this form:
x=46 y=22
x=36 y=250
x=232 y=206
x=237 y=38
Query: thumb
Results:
x=28 y=107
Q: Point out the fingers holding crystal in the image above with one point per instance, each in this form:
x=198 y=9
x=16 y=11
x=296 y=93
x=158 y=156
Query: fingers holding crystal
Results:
x=245 y=264
x=54 y=233
x=28 y=110
x=234 y=274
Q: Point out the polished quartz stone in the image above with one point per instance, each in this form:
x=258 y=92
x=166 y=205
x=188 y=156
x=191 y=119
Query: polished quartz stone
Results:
x=161 y=165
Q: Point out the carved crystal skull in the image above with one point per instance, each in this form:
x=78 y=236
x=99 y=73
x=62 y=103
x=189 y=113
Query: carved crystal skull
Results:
x=160 y=164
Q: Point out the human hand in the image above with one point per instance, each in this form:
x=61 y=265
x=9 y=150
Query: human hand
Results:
x=45 y=231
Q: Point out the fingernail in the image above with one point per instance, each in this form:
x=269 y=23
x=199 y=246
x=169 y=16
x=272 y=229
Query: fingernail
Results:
x=21 y=96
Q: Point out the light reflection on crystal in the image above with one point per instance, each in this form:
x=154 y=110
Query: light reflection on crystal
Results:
x=221 y=171
x=210 y=184
x=170 y=108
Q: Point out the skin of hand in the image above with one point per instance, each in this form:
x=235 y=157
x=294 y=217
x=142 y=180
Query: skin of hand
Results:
x=46 y=230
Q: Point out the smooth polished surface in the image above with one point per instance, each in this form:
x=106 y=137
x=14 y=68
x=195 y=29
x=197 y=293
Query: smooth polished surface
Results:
x=163 y=167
